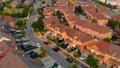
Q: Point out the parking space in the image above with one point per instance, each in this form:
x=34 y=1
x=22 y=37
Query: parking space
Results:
x=48 y=62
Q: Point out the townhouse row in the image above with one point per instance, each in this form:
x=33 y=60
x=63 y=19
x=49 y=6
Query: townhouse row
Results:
x=85 y=37
x=93 y=29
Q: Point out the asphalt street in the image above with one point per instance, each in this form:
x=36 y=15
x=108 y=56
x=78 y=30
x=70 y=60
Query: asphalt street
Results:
x=30 y=34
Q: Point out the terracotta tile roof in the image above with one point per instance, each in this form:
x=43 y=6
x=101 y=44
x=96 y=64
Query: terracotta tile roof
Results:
x=49 y=9
x=70 y=31
x=11 y=60
x=68 y=41
x=58 y=26
x=68 y=12
x=66 y=7
x=116 y=17
x=58 y=4
x=8 y=18
x=93 y=26
x=117 y=63
x=73 y=18
x=102 y=46
x=51 y=19
x=115 y=50
x=81 y=36
x=91 y=10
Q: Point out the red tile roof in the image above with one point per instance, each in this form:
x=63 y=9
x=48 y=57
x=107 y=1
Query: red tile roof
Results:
x=11 y=60
x=115 y=50
x=72 y=33
x=8 y=18
x=102 y=46
x=58 y=4
x=58 y=26
x=94 y=26
x=49 y=9
x=117 y=63
x=116 y=17
x=50 y=20
x=81 y=36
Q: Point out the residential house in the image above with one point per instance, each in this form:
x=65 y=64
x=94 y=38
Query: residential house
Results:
x=96 y=12
x=14 y=3
x=28 y=2
x=50 y=20
x=71 y=36
x=10 y=20
x=49 y=11
x=10 y=60
x=94 y=29
x=110 y=52
x=117 y=17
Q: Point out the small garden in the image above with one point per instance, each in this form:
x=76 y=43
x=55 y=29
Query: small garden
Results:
x=61 y=18
x=43 y=52
x=57 y=42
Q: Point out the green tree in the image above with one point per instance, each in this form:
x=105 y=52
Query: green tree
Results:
x=107 y=39
x=43 y=52
x=94 y=20
x=1 y=6
x=113 y=24
x=59 y=14
x=39 y=25
x=92 y=61
x=55 y=65
x=54 y=1
x=77 y=53
x=74 y=66
x=70 y=2
x=21 y=24
x=31 y=9
x=78 y=10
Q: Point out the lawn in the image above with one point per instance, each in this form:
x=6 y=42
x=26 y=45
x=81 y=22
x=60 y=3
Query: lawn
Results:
x=13 y=11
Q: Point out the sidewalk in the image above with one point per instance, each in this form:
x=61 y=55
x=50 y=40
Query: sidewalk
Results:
x=52 y=44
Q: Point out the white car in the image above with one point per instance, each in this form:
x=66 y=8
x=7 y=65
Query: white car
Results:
x=82 y=57
x=38 y=45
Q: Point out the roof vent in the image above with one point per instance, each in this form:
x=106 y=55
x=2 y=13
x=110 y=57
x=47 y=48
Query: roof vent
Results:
x=75 y=37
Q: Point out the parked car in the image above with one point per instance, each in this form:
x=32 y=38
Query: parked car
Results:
x=56 y=49
x=38 y=45
x=73 y=48
x=32 y=54
x=82 y=57
x=18 y=40
x=46 y=43
x=69 y=60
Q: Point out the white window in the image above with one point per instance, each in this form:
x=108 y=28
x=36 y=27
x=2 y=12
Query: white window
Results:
x=92 y=50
